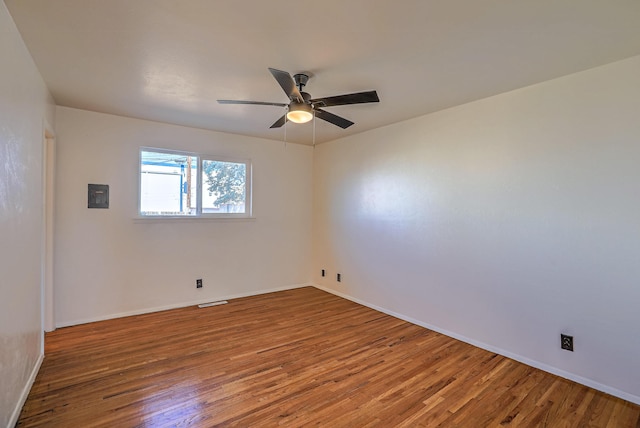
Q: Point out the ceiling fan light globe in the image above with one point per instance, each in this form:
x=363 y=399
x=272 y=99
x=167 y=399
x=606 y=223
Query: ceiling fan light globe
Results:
x=299 y=116
x=299 y=112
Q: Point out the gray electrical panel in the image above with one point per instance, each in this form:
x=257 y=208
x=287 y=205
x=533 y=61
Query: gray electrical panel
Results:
x=98 y=196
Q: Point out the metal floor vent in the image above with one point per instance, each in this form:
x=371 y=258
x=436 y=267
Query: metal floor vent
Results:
x=206 y=305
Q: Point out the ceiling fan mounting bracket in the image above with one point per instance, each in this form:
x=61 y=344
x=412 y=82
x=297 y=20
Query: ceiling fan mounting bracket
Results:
x=301 y=80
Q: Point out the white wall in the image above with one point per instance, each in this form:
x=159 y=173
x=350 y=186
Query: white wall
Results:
x=25 y=105
x=504 y=222
x=108 y=264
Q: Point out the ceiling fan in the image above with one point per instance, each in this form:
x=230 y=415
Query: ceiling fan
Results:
x=302 y=108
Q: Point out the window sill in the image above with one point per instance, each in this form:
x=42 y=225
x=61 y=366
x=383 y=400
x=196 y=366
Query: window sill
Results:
x=189 y=219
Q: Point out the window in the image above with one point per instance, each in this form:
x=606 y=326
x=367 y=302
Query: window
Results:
x=188 y=184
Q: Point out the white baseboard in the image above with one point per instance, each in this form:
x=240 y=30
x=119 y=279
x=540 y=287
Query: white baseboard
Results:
x=178 y=305
x=13 y=420
x=536 y=364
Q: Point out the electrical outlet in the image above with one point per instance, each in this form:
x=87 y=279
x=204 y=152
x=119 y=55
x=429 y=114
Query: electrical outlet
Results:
x=323 y=272
x=339 y=277
x=199 y=283
x=566 y=342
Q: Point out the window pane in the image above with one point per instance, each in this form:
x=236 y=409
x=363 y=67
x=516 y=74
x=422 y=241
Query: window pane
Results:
x=224 y=187
x=168 y=183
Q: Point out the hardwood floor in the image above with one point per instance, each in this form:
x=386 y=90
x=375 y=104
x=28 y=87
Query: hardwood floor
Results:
x=295 y=358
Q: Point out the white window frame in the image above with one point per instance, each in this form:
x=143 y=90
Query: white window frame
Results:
x=199 y=187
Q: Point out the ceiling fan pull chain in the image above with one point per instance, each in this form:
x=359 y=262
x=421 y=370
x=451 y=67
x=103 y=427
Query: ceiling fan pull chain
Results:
x=314 y=129
x=285 y=132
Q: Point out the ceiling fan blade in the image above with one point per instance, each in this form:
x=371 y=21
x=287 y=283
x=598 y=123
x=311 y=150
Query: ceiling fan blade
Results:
x=340 y=100
x=332 y=118
x=287 y=83
x=257 y=103
x=278 y=123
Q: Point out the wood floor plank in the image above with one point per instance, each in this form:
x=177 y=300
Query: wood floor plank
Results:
x=295 y=358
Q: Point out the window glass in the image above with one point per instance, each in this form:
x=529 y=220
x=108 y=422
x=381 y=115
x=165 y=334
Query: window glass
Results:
x=172 y=185
x=224 y=186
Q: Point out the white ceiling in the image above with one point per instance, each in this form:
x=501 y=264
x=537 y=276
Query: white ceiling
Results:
x=170 y=60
